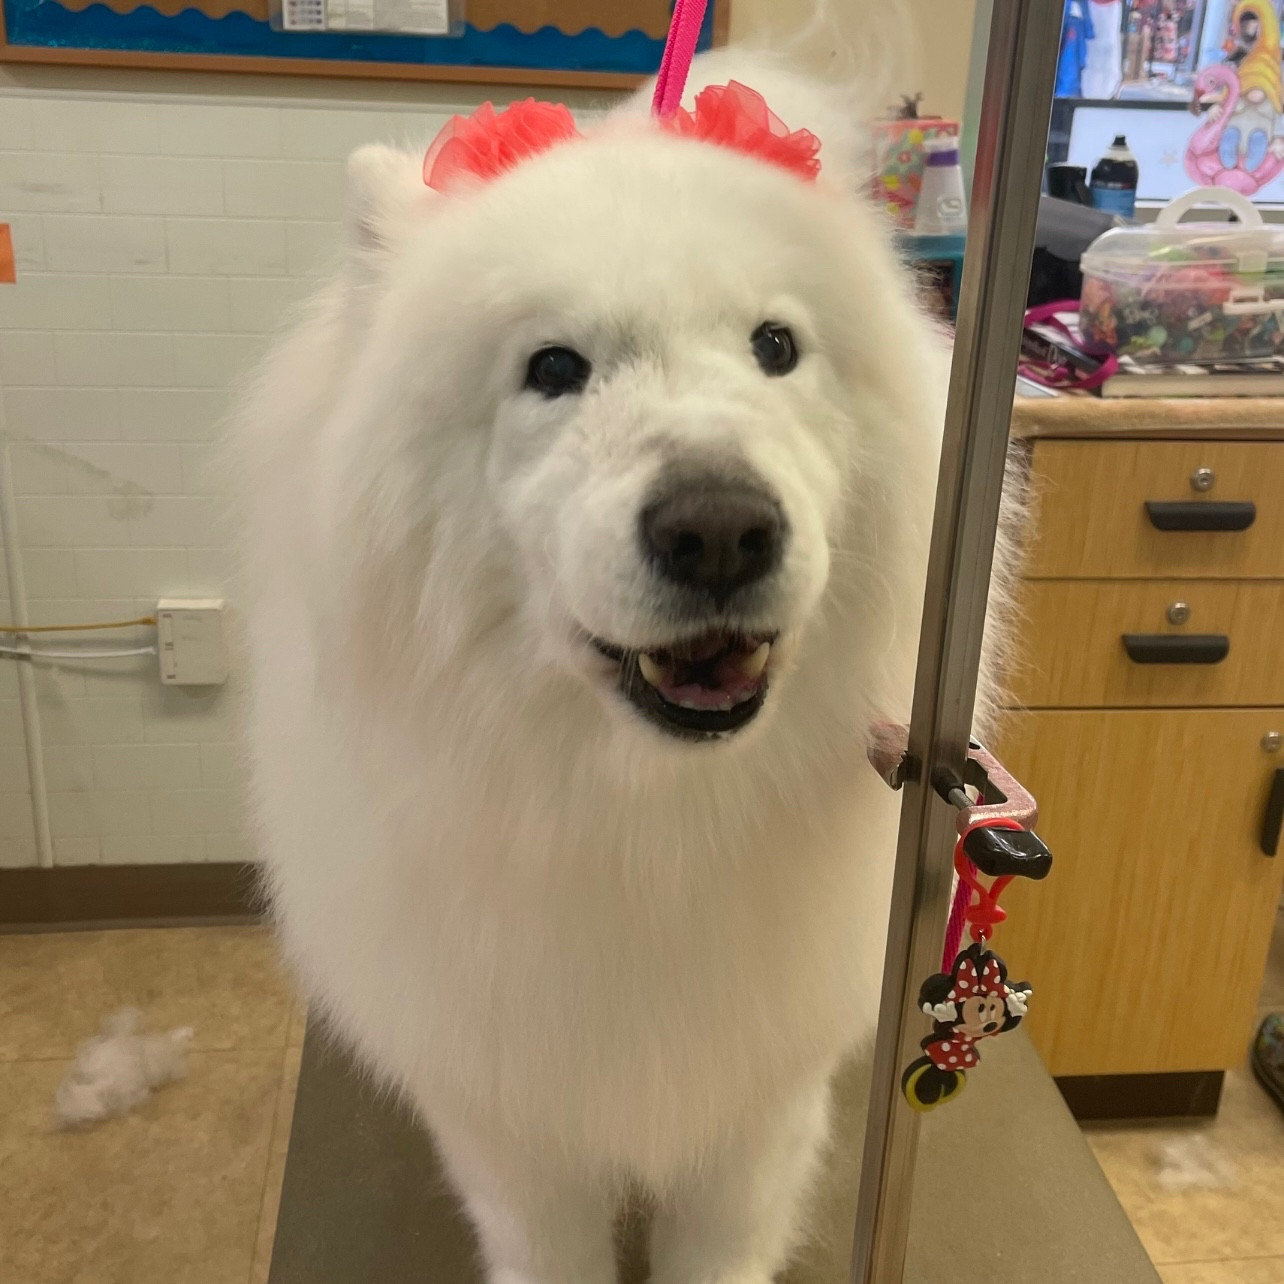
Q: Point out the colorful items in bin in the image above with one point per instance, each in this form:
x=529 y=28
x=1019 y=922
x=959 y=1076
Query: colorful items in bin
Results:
x=900 y=156
x=1174 y=292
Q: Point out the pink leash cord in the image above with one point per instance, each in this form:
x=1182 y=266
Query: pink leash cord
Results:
x=954 y=929
x=679 y=50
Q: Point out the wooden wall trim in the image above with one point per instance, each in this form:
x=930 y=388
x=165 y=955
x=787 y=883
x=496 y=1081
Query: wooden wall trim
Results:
x=97 y=895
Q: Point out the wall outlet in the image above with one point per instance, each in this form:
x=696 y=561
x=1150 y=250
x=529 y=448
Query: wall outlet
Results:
x=189 y=636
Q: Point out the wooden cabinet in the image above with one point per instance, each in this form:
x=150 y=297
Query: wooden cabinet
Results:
x=1147 y=944
x=1091 y=499
x=1081 y=631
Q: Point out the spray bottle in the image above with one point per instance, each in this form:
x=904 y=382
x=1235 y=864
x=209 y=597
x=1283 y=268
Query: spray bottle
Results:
x=942 y=207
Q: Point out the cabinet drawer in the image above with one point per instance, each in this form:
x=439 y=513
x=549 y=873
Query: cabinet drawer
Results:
x=1073 y=653
x=1092 y=520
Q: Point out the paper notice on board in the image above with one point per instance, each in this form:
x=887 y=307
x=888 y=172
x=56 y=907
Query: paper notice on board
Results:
x=410 y=17
x=303 y=15
x=349 y=15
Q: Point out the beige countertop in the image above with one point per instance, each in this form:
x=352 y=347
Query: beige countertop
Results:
x=1083 y=415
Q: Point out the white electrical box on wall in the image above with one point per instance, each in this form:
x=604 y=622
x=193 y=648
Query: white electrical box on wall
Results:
x=189 y=640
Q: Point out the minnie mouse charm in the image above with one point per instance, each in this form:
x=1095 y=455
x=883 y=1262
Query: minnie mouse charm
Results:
x=973 y=1001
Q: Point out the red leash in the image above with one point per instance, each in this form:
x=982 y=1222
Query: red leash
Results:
x=679 y=50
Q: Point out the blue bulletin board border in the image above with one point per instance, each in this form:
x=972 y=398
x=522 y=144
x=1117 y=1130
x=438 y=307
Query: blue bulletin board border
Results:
x=47 y=31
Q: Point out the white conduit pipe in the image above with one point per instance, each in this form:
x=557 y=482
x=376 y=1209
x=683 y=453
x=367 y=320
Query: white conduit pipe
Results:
x=26 y=678
x=28 y=653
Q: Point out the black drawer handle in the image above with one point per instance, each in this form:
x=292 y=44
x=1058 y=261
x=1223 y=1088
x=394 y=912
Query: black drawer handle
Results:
x=1192 y=515
x=1176 y=648
x=1274 y=816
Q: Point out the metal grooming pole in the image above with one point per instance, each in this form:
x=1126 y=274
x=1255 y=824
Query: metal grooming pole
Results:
x=1024 y=37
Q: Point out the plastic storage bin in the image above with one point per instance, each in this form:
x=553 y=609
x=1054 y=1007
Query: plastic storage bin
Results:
x=1187 y=292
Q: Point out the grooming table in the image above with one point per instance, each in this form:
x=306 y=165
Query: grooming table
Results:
x=1006 y=1189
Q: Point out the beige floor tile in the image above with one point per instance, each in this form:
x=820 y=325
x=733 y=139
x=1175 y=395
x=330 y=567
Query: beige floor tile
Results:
x=1244 y=1219
x=1251 y=1270
x=278 y=1149
x=298 y=1024
x=226 y=982
x=168 y=1195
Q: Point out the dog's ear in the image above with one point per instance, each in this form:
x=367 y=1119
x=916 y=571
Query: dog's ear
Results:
x=386 y=193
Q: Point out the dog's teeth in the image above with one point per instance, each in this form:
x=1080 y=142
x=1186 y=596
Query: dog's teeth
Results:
x=651 y=671
x=752 y=665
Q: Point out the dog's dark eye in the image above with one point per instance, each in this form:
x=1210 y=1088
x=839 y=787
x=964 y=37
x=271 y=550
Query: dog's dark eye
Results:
x=555 y=372
x=775 y=348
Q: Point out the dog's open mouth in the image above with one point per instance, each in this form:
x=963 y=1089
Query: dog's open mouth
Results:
x=709 y=685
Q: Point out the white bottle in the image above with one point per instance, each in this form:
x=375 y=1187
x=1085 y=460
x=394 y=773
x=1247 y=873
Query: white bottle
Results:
x=942 y=207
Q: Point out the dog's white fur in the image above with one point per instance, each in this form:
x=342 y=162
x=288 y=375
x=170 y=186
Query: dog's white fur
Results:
x=590 y=954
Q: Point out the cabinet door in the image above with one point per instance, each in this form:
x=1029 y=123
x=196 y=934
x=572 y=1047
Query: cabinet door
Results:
x=1147 y=943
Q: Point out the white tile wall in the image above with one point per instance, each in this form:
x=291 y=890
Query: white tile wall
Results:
x=226 y=247
x=283 y=189
x=43 y=413
x=161 y=185
x=159 y=241
x=117 y=347
x=220 y=131
x=181 y=303
x=98 y=360
x=104 y=125
x=50 y=181
x=182 y=414
x=43 y=301
x=103 y=243
x=28 y=241
x=27 y=355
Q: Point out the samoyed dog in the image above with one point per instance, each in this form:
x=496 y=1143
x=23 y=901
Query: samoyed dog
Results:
x=589 y=519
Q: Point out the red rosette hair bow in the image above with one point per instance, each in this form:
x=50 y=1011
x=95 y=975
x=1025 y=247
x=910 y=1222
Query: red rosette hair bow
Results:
x=490 y=143
x=737 y=117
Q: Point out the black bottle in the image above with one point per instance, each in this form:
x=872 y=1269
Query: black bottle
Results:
x=1114 y=180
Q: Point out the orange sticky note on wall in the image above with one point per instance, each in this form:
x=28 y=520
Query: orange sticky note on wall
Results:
x=7 y=274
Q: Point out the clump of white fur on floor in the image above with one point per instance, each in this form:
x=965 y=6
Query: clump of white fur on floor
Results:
x=117 y=1070
x=1192 y=1162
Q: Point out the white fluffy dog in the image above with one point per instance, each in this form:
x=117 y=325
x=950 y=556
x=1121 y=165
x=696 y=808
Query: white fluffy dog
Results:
x=590 y=516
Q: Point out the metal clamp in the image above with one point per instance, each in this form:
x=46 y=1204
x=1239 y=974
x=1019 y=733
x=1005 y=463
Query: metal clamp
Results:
x=1006 y=797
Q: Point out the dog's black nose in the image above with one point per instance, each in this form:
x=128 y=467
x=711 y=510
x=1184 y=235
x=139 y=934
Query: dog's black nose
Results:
x=713 y=533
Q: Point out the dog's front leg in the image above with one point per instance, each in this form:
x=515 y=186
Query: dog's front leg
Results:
x=537 y=1223
x=737 y=1218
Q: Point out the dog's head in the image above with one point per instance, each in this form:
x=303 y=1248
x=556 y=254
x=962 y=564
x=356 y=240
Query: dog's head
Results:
x=629 y=416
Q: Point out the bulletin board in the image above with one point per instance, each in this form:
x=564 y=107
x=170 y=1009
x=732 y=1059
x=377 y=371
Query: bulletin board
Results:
x=593 y=43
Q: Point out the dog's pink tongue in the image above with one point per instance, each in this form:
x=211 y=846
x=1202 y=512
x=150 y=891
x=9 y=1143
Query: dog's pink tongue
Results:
x=732 y=687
